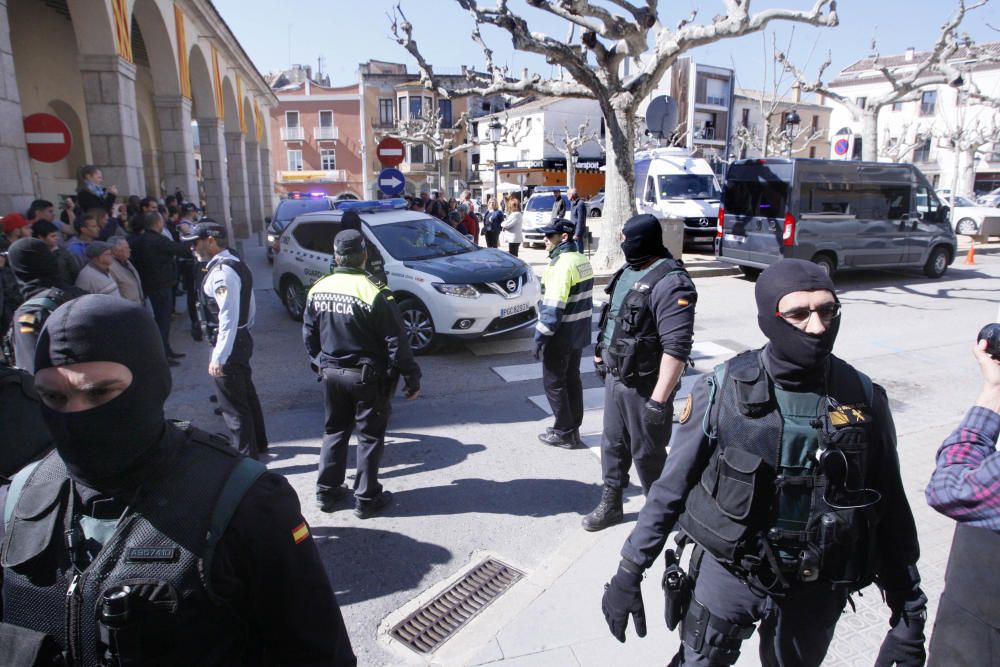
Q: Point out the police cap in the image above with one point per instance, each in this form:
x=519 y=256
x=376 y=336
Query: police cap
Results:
x=188 y=207
x=349 y=242
x=559 y=226
x=205 y=229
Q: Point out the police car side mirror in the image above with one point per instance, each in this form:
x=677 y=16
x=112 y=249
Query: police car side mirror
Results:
x=469 y=236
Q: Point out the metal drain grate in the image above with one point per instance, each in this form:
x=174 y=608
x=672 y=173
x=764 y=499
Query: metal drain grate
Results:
x=435 y=622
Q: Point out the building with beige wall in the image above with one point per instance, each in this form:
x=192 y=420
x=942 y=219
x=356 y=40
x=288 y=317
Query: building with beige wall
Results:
x=759 y=125
x=134 y=80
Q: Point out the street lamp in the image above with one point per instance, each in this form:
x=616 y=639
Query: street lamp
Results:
x=496 y=133
x=792 y=122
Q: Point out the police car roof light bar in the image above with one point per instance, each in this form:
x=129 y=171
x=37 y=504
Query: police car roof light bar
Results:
x=371 y=205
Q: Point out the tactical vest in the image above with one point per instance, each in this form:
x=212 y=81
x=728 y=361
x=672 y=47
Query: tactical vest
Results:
x=733 y=511
x=18 y=347
x=633 y=354
x=161 y=548
x=246 y=291
x=25 y=437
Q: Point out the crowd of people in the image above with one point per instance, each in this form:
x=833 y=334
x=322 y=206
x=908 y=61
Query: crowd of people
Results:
x=499 y=225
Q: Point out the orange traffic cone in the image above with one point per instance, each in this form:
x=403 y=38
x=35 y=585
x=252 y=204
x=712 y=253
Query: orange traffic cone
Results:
x=970 y=257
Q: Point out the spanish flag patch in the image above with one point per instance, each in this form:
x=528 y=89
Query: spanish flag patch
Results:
x=300 y=533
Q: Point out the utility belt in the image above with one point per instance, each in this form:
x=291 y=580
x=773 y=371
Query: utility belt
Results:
x=365 y=372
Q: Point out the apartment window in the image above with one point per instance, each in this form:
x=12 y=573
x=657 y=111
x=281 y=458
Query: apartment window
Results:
x=486 y=106
x=402 y=108
x=716 y=92
x=328 y=159
x=444 y=108
x=928 y=102
x=525 y=154
x=815 y=124
x=291 y=119
x=861 y=101
x=922 y=153
x=417 y=150
x=745 y=118
x=812 y=151
x=385 y=111
x=897 y=106
x=326 y=119
x=416 y=107
x=294 y=160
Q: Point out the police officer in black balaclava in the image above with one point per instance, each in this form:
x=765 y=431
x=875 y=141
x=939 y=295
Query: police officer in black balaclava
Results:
x=644 y=340
x=163 y=543
x=784 y=477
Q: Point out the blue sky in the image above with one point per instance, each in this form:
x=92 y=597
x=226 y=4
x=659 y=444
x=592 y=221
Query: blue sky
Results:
x=348 y=32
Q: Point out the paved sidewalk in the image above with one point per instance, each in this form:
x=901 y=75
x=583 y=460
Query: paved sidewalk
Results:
x=699 y=261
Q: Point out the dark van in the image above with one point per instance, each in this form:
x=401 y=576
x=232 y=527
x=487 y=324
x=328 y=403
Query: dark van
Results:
x=839 y=214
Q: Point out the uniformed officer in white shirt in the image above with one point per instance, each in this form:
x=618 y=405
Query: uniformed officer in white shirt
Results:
x=229 y=309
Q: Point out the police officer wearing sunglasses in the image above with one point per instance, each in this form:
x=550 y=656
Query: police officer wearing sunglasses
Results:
x=784 y=479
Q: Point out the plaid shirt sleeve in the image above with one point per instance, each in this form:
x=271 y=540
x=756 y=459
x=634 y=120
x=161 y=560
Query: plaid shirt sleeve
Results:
x=966 y=483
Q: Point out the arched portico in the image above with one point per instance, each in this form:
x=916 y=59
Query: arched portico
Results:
x=236 y=166
x=251 y=146
x=211 y=143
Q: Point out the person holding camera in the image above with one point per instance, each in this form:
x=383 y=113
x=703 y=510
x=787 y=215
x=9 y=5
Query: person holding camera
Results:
x=964 y=487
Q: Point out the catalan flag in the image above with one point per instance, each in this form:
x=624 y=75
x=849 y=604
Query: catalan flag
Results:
x=300 y=533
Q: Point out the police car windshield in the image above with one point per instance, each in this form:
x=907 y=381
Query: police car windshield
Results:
x=289 y=208
x=541 y=202
x=426 y=238
x=688 y=186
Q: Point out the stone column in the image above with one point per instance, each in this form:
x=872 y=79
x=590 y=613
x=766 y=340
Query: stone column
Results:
x=239 y=200
x=176 y=144
x=266 y=180
x=213 y=171
x=16 y=192
x=109 y=93
x=254 y=183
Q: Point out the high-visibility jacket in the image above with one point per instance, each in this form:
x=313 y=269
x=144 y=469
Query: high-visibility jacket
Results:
x=565 y=312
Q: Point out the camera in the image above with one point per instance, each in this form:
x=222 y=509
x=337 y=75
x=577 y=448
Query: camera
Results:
x=991 y=334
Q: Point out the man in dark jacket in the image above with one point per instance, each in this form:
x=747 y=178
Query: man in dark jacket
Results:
x=578 y=216
x=155 y=257
x=206 y=551
x=558 y=206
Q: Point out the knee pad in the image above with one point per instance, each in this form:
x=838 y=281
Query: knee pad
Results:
x=712 y=637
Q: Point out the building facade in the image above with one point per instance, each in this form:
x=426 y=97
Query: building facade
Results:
x=316 y=138
x=760 y=129
x=134 y=81
x=921 y=130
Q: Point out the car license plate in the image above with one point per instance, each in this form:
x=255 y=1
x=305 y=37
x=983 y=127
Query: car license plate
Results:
x=514 y=310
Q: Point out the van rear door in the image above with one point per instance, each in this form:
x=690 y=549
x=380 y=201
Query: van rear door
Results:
x=754 y=202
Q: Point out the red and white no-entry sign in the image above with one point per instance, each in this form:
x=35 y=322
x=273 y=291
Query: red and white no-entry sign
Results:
x=47 y=137
x=390 y=151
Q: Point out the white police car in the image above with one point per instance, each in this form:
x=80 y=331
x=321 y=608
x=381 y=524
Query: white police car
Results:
x=444 y=285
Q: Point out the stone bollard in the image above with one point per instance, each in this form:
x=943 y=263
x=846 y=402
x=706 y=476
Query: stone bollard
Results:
x=673 y=235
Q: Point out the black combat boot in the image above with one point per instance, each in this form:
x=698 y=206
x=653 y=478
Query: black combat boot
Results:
x=607 y=513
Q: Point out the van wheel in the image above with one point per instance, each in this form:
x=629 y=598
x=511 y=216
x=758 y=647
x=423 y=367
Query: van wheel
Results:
x=418 y=325
x=750 y=272
x=967 y=227
x=825 y=262
x=937 y=262
x=294 y=297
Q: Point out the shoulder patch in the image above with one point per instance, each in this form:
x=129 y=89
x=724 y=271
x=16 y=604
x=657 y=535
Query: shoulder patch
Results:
x=683 y=302
x=27 y=323
x=300 y=533
x=686 y=410
x=221 y=290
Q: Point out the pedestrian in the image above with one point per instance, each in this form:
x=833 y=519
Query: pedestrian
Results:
x=558 y=206
x=578 y=216
x=230 y=308
x=173 y=548
x=511 y=227
x=189 y=270
x=455 y=220
x=109 y=226
x=66 y=264
x=43 y=209
x=154 y=255
x=124 y=272
x=92 y=193
x=644 y=341
x=492 y=223
x=15 y=226
x=95 y=277
x=355 y=341
x=470 y=221
x=42 y=292
x=563 y=330
x=466 y=198
x=87 y=231
x=963 y=487
x=784 y=475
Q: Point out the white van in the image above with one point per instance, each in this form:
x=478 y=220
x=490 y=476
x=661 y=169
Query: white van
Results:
x=669 y=183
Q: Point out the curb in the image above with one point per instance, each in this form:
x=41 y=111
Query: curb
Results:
x=709 y=271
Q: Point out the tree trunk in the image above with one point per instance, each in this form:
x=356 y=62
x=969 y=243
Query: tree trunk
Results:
x=570 y=171
x=869 y=135
x=443 y=176
x=619 y=186
x=966 y=173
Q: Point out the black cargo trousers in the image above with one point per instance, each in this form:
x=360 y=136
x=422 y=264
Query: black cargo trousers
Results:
x=238 y=399
x=351 y=402
x=628 y=438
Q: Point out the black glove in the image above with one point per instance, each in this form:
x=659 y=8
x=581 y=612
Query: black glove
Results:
x=602 y=369
x=317 y=370
x=539 y=350
x=623 y=596
x=904 y=643
x=654 y=413
x=410 y=391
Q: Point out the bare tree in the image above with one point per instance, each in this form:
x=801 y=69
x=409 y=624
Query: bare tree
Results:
x=899 y=147
x=905 y=81
x=595 y=69
x=568 y=143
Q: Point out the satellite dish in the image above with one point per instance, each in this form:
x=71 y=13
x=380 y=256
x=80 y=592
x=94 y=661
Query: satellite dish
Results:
x=661 y=116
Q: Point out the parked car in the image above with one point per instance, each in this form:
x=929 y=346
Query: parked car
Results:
x=991 y=198
x=968 y=218
x=839 y=214
x=445 y=285
x=669 y=183
x=538 y=213
x=595 y=205
x=296 y=203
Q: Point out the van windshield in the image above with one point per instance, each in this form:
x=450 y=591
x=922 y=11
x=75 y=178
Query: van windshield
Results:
x=687 y=186
x=427 y=238
x=543 y=202
x=767 y=199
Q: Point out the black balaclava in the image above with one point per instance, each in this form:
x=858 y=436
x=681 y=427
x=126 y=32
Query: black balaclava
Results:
x=794 y=358
x=34 y=265
x=108 y=447
x=643 y=241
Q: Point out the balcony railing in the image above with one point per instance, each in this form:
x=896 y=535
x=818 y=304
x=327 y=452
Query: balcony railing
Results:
x=326 y=134
x=312 y=176
x=293 y=134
